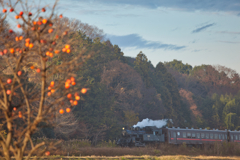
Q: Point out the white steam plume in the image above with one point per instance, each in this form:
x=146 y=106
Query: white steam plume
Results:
x=149 y=122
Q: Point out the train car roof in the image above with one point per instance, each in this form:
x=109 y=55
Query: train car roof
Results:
x=234 y=131
x=192 y=129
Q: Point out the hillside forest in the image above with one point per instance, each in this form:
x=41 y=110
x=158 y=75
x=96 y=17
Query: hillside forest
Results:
x=124 y=90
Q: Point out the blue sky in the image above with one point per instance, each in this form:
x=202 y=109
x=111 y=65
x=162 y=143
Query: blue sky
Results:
x=194 y=31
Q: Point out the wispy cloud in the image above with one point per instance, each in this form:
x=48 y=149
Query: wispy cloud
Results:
x=202 y=28
x=228 y=42
x=126 y=15
x=134 y=40
x=227 y=32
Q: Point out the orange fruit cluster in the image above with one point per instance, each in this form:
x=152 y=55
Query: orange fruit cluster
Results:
x=67 y=48
x=19 y=38
x=70 y=82
x=50 y=88
x=28 y=44
x=20 y=114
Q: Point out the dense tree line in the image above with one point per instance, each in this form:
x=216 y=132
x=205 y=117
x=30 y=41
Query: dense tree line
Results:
x=124 y=90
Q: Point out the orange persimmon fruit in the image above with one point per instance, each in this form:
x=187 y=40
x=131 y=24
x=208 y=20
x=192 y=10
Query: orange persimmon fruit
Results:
x=67 y=85
x=61 y=111
x=30 y=45
x=68 y=50
x=44 y=21
x=9 y=81
x=84 y=90
x=67 y=46
x=52 y=84
x=50 y=30
x=68 y=110
x=75 y=103
x=69 y=95
x=56 y=51
x=77 y=98
x=12 y=50
x=64 y=49
x=47 y=153
x=8 y=92
x=19 y=73
x=4 y=10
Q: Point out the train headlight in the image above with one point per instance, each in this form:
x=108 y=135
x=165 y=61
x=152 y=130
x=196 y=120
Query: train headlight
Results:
x=123 y=128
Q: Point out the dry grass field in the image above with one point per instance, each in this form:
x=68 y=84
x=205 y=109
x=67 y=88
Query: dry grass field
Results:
x=144 y=157
x=82 y=149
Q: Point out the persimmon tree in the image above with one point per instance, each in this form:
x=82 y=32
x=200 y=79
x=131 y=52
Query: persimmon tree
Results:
x=38 y=80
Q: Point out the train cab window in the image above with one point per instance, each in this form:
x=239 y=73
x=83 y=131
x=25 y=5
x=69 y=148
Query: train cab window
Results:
x=216 y=136
x=193 y=135
x=184 y=135
x=219 y=136
x=189 y=135
x=231 y=137
x=198 y=135
x=178 y=133
x=156 y=133
x=202 y=135
x=236 y=137
x=207 y=135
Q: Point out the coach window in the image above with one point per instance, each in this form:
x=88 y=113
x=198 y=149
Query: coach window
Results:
x=231 y=137
x=178 y=133
x=236 y=137
x=226 y=136
x=216 y=136
x=219 y=136
x=202 y=135
x=174 y=134
x=207 y=135
x=198 y=135
x=188 y=135
x=184 y=135
x=193 y=135
x=239 y=137
x=211 y=135
x=223 y=136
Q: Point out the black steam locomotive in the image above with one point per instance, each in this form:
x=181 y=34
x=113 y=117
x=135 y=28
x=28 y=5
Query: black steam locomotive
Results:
x=139 y=137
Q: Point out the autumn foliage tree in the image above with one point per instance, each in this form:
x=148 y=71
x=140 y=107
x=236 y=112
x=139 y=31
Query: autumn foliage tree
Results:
x=37 y=79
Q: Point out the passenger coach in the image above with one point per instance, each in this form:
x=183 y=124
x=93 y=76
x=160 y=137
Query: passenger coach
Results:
x=198 y=136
